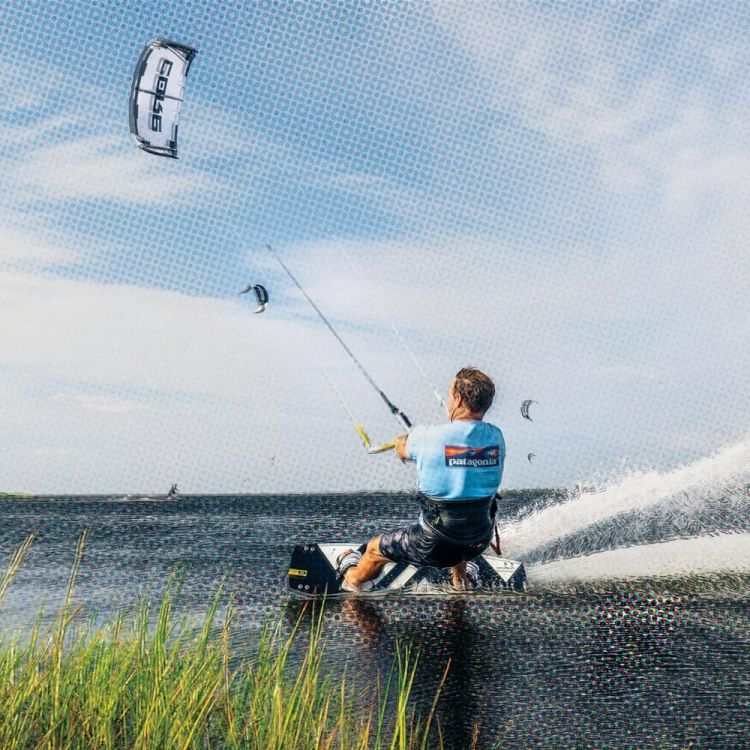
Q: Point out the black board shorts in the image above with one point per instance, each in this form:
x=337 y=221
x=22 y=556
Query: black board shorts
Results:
x=418 y=545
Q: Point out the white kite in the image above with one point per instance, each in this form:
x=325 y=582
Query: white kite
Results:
x=156 y=95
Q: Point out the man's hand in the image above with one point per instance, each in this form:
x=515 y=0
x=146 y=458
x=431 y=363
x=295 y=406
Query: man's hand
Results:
x=399 y=445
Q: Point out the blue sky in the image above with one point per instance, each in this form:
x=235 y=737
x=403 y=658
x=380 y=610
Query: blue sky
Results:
x=556 y=193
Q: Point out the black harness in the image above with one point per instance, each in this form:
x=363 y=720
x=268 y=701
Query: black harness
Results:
x=459 y=521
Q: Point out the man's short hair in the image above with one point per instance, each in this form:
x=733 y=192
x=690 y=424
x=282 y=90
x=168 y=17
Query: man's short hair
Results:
x=475 y=388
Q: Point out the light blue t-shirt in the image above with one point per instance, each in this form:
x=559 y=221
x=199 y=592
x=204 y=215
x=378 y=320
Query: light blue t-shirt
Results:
x=461 y=460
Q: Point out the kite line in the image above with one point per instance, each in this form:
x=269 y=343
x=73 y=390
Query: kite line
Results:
x=402 y=419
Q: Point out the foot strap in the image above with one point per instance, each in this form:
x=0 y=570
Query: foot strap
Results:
x=473 y=574
x=347 y=560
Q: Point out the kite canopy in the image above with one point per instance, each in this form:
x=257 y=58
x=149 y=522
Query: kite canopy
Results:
x=156 y=95
x=260 y=294
x=525 y=409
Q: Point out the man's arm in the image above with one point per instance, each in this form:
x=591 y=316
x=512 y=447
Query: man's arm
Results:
x=399 y=445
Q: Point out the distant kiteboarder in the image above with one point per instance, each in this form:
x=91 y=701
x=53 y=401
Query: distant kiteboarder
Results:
x=525 y=409
x=261 y=295
x=173 y=492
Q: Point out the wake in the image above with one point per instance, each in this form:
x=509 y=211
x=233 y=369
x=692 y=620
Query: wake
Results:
x=643 y=518
x=683 y=557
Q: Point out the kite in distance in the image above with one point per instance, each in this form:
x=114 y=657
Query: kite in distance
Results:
x=156 y=95
x=530 y=456
x=525 y=409
x=261 y=295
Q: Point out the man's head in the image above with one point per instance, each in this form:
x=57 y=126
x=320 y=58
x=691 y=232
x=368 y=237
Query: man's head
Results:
x=470 y=390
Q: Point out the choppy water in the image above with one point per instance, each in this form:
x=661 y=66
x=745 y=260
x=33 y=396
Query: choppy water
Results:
x=601 y=653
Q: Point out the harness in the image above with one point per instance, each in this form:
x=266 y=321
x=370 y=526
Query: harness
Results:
x=459 y=521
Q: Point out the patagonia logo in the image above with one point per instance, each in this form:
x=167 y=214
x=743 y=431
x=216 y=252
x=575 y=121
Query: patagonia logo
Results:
x=462 y=455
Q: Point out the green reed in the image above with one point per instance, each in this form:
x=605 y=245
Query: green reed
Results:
x=152 y=681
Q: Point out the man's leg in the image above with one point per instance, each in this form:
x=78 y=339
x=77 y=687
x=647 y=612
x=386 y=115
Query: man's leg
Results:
x=369 y=566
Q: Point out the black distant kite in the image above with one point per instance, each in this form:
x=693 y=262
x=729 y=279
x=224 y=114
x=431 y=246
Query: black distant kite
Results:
x=525 y=409
x=260 y=293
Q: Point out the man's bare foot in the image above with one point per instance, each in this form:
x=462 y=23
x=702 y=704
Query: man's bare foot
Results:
x=459 y=578
x=465 y=576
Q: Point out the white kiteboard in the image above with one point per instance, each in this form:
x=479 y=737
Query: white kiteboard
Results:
x=312 y=574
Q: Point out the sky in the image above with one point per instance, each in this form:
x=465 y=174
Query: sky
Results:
x=555 y=193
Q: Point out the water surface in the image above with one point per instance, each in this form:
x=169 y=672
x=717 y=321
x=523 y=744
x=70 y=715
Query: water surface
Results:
x=618 y=665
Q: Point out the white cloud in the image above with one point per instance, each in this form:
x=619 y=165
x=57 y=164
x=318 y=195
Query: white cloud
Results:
x=159 y=384
x=103 y=167
x=22 y=135
x=108 y=403
x=589 y=81
x=26 y=246
x=121 y=389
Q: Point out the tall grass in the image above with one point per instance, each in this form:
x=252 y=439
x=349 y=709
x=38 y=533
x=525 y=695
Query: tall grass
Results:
x=152 y=681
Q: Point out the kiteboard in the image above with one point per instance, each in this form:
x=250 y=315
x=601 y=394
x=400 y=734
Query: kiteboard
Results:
x=312 y=575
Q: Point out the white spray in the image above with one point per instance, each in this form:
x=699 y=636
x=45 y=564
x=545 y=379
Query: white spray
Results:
x=638 y=491
x=680 y=557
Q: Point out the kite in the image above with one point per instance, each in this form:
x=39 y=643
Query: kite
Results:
x=156 y=95
x=261 y=295
x=525 y=409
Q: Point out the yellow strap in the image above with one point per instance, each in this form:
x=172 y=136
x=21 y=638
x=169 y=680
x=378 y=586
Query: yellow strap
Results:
x=364 y=437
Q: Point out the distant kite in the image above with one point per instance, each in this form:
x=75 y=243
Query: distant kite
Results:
x=530 y=456
x=260 y=293
x=525 y=409
x=156 y=95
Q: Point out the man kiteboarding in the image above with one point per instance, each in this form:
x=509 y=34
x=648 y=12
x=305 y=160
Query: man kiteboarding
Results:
x=459 y=467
